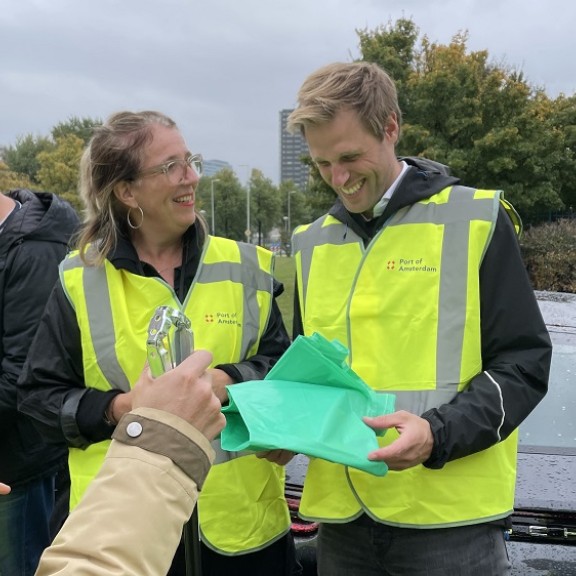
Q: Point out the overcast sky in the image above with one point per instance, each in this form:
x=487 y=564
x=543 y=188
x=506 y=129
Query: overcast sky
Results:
x=224 y=68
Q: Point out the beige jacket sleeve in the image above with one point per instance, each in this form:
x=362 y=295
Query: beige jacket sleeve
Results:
x=131 y=517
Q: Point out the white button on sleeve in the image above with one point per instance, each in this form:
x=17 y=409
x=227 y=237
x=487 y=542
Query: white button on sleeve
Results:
x=134 y=429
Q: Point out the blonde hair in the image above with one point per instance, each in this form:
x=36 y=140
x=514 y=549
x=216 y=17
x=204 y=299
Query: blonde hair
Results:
x=114 y=154
x=359 y=86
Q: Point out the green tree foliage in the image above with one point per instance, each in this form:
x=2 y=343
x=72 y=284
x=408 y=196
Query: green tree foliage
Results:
x=484 y=120
x=549 y=251
x=393 y=47
x=58 y=170
x=22 y=158
x=10 y=180
x=295 y=211
x=265 y=206
x=229 y=204
x=294 y=202
x=562 y=118
x=83 y=128
x=52 y=163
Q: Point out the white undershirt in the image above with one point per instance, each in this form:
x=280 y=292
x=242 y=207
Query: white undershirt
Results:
x=381 y=204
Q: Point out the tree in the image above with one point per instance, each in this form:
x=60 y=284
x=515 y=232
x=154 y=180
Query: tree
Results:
x=295 y=211
x=229 y=204
x=483 y=120
x=265 y=205
x=10 y=180
x=22 y=158
x=83 y=128
x=393 y=47
x=563 y=121
x=59 y=169
x=50 y=163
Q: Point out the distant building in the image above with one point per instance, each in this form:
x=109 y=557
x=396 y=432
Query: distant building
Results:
x=212 y=167
x=292 y=148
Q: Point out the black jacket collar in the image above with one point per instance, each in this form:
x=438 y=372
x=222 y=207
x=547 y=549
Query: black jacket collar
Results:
x=124 y=257
x=419 y=182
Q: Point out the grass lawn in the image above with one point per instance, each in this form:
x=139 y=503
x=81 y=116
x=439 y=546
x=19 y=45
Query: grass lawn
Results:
x=284 y=271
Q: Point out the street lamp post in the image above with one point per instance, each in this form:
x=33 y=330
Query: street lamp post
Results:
x=212 y=205
x=248 y=232
x=289 y=222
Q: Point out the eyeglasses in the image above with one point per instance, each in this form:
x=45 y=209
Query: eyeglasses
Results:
x=175 y=170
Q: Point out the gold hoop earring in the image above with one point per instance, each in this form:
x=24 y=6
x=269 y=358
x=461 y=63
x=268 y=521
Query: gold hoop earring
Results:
x=130 y=221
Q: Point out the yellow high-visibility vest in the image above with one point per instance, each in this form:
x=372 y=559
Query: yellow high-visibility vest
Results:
x=408 y=308
x=241 y=507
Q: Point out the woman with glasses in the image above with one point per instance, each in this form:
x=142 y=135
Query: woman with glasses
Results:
x=142 y=246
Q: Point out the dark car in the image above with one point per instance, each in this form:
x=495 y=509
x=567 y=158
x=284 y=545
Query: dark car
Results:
x=543 y=535
x=542 y=539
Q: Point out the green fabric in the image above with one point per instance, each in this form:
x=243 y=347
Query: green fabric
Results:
x=312 y=403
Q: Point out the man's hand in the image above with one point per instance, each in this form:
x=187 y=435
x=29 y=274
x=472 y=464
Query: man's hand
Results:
x=185 y=391
x=414 y=445
x=4 y=489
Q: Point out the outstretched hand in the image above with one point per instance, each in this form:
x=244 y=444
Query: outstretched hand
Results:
x=185 y=391
x=414 y=445
x=4 y=489
x=280 y=457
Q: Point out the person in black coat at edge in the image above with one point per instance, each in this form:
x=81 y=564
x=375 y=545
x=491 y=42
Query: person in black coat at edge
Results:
x=35 y=229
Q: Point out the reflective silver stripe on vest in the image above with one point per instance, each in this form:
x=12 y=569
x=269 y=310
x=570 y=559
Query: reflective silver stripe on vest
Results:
x=456 y=216
x=241 y=273
x=72 y=262
x=417 y=402
x=100 y=320
x=99 y=308
x=317 y=235
x=457 y=209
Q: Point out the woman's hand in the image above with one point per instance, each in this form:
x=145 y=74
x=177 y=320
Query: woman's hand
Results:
x=219 y=382
x=280 y=457
x=121 y=404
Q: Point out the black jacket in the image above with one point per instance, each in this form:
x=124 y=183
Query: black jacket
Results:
x=52 y=387
x=32 y=243
x=516 y=348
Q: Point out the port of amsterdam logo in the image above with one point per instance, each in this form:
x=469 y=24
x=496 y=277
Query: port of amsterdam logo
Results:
x=222 y=318
x=409 y=265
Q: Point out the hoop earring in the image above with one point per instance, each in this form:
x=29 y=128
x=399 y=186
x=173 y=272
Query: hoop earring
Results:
x=130 y=221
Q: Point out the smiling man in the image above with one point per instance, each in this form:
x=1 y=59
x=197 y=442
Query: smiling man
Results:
x=422 y=279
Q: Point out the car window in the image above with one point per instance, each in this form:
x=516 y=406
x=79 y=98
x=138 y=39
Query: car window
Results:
x=553 y=421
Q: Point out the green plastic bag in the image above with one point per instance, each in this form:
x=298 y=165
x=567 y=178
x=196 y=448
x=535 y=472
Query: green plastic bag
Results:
x=312 y=403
